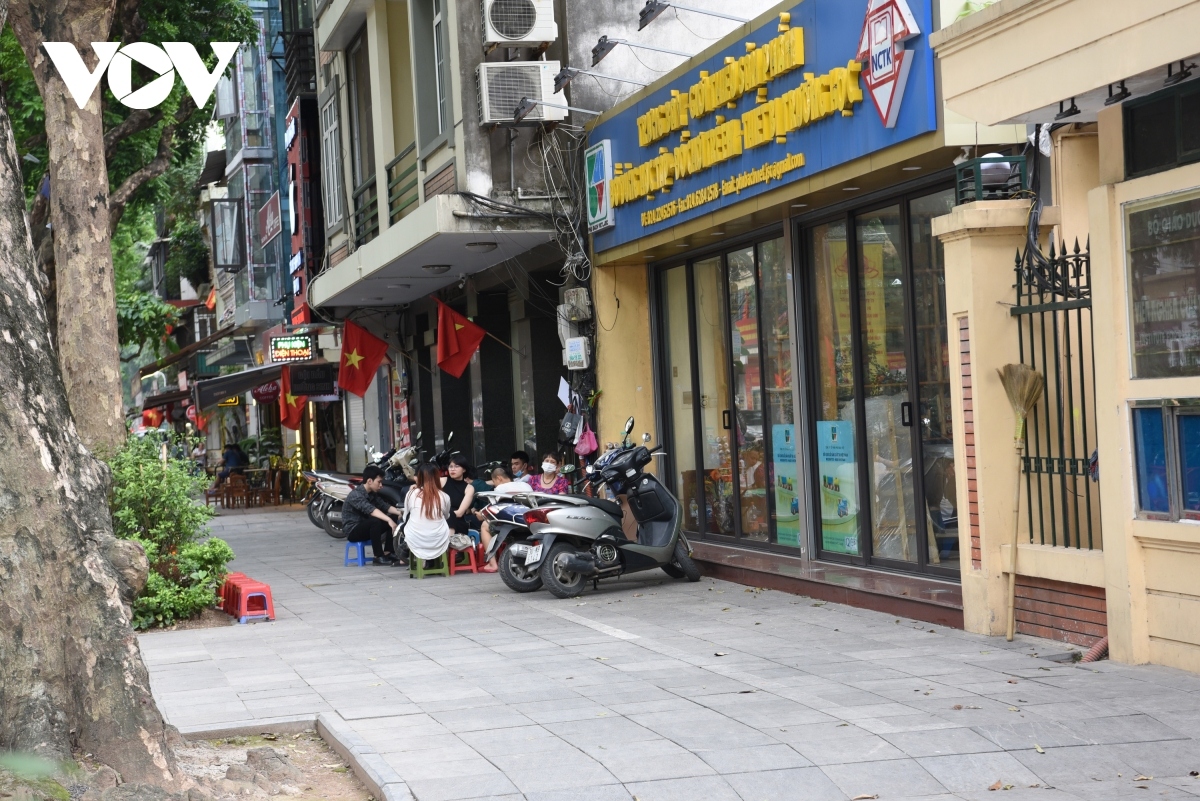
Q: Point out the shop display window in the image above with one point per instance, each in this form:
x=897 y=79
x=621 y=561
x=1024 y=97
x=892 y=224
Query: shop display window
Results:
x=1166 y=453
x=1163 y=241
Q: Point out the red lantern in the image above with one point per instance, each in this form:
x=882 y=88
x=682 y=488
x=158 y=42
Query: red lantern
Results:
x=267 y=393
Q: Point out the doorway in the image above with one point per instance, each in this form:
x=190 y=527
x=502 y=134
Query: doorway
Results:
x=881 y=438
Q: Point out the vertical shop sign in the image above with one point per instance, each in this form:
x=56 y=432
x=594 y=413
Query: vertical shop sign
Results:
x=839 y=505
x=599 y=167
x=787 y=504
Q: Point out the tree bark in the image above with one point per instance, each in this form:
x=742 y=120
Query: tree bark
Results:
x=87 y=313
x=71 y=672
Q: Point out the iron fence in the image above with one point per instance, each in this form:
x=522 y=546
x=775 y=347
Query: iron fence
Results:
x=1054 y=324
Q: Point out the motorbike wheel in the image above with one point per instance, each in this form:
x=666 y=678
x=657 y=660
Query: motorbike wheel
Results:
x=333 y=521
x=683 y=563
x=314 y=512
x=561 y=583
x=672 y=571
x=515 y=576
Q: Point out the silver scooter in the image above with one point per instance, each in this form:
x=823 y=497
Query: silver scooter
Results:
x=570 y=545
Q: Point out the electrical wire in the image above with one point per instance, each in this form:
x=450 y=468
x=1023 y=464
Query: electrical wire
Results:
x=679 y=19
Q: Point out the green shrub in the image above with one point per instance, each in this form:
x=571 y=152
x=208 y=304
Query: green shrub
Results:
x=154 y=502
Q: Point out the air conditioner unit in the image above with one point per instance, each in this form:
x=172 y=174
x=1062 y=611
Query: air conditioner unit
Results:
x=518 y=23
x=502 y=85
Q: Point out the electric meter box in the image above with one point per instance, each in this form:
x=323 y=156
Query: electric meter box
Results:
x=578 y=353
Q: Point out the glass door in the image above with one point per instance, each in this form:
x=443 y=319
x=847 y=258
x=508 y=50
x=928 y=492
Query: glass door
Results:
x=747 y=402
x=716 y=415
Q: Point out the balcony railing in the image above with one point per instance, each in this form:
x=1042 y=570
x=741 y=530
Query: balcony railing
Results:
x=366 y=212
x=300 y=63
x=402 y=184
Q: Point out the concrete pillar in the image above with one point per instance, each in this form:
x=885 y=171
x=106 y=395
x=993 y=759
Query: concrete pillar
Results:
x=981 y=241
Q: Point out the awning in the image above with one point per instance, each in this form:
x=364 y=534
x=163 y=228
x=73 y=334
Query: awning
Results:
x=208 y=393
x=214 y=169
x=185 y=351
x=166 y=399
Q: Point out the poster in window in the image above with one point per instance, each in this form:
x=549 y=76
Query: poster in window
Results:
x=1163 y=240
x=839 y=497
x=787 y=503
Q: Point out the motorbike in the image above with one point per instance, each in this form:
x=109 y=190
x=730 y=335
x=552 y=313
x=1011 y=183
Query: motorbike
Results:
x=398 y=476
x=571 y=544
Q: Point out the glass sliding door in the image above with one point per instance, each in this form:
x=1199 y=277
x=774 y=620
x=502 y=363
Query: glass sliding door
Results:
x=716 y=414
x=681 y=406
x=830 y=310
x=747 y=400
x=784 y=528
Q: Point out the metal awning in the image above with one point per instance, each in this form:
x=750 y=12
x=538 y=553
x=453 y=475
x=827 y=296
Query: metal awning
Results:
x=166 y=399
x=214 y=169
x=208 y=393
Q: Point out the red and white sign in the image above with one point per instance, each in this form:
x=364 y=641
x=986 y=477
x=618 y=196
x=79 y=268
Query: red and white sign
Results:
x=888 y=25
x=267 y=393
x=270 y=222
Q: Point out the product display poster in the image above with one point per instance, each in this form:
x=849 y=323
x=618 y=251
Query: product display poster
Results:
x=839 y=496
x=787 y=504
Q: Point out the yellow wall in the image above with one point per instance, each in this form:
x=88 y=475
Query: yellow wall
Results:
x=624 y=354
x=1152 y=568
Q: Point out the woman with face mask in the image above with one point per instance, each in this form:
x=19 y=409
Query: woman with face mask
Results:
x=550 y=481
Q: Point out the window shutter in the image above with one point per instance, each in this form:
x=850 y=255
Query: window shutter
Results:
x=331 y=158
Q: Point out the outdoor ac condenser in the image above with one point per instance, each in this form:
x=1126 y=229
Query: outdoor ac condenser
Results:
x=502 y=85
x=518 y=23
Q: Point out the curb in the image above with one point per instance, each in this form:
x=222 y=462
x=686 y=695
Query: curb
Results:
x=380 y=778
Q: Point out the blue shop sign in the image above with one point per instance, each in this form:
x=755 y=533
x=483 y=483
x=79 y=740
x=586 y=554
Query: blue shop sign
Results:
x=826 y=83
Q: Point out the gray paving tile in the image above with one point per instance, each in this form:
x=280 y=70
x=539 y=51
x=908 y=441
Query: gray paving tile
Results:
x=754 y=758
x=796 y=784
x=709 y=788
x=895 y=778
x=861 y=748
x=968 y=773
x=941 y=742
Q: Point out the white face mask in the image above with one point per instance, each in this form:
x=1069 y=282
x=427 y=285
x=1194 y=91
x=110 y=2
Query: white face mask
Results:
x=549 y=467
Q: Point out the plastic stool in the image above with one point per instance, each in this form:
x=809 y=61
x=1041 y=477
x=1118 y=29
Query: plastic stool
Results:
x=474 y=535
x=471 y=565
x=361 y=558
x=228 y=603
x=251 y=591
x=417 y=569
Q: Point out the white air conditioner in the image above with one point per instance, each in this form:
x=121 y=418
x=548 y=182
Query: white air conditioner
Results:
x=518 y=23
x=503 y=84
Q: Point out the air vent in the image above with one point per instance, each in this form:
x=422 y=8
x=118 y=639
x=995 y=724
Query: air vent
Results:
x=518 y=23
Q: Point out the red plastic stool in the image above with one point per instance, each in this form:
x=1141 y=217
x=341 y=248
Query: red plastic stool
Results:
x=254 y=602
x=470 y=566
x=228 y=592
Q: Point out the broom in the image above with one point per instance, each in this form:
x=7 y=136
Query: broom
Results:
x=1024 y=389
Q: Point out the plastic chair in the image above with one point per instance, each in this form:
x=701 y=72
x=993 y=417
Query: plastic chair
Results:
x=361 y=558
x=470 y=565
x=417 y=569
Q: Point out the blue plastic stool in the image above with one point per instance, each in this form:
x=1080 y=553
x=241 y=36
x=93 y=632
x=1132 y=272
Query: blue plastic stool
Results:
x=474 y=535
x=361 y=559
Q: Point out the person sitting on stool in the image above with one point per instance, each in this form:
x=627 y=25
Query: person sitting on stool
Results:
x=365 y=516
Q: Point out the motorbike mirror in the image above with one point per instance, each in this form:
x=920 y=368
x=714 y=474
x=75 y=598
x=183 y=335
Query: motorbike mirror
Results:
x=449 y=437
x=646 y=438
x=628 y=425
x=567 y=469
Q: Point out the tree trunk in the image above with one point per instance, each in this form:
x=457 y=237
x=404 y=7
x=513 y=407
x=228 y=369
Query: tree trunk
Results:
x=87 y=312
x=71 y=672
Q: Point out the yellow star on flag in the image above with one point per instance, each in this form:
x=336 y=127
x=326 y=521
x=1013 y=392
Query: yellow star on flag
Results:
x=353 y=358
x=290 y=398
x=459 y=326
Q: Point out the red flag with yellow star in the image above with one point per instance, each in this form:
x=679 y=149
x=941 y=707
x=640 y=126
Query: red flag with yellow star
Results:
x=362 y=353
x=458 y=339
x=291 y=407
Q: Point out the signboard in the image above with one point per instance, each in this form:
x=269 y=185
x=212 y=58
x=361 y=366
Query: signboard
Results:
x=292 y=348
x=266 y=393
x=791 y=100
x=314 y=380
x=839 y=498
x=270 y=220
x=598 y=167
x=236 y=400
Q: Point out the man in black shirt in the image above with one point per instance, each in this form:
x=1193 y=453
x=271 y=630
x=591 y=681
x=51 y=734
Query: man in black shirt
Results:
x=365 y=516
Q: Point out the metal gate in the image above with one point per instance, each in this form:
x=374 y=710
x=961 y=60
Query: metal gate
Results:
x=1054 y=324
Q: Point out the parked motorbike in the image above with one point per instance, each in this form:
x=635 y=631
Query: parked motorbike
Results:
x=332 y=489
x=568 y=545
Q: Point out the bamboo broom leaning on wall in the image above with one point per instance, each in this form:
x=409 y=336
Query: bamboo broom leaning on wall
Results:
x=1023 y=386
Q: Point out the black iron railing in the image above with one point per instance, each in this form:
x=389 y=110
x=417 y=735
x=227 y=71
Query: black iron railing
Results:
x=366 y=212
x=1054 y=324
x=402 y=183
x=300 y=63
x=989 y=178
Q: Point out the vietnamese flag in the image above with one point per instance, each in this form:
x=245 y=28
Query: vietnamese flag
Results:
x=291 y=407
x=458 y=339
x=362 y=353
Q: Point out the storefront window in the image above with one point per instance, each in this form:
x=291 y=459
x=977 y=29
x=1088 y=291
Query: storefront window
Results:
x=830 y=310
x=1150 y=446
x=1163 y=238
x=679 y=380
x=715 y=412
x=777 y=368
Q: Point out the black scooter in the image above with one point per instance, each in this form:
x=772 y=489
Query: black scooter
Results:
x=570 y=545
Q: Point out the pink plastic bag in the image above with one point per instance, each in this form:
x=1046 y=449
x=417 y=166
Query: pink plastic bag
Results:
x=587 y=441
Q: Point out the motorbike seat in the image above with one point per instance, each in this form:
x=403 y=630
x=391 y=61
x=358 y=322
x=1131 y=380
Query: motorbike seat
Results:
x=604 y=505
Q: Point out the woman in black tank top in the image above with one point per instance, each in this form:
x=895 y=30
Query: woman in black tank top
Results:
x=458 y=486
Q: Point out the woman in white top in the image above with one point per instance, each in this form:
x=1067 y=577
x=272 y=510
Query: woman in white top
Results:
x=426 y=531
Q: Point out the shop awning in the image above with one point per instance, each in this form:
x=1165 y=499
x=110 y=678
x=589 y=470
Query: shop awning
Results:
x=166 y=399
x=208 y=393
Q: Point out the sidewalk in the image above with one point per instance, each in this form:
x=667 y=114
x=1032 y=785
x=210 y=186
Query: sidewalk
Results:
x=666 y=691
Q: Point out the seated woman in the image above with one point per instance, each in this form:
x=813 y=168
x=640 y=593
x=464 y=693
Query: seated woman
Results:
x=550 y=481
x=461 y=492
x=426 y=507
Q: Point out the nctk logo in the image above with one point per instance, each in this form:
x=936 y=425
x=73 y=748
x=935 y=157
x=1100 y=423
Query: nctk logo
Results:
x=172 y=57
x=889 y=24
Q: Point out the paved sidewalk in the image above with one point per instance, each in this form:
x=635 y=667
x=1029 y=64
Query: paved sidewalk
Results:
x=663 y=690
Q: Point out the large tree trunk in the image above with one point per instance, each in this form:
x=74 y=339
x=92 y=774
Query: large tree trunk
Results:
x=71 y=672
x=87 y=312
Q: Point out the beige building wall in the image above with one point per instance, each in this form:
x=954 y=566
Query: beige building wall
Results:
x=624 y=355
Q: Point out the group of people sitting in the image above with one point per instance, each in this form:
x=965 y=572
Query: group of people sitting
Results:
x=439 y=506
